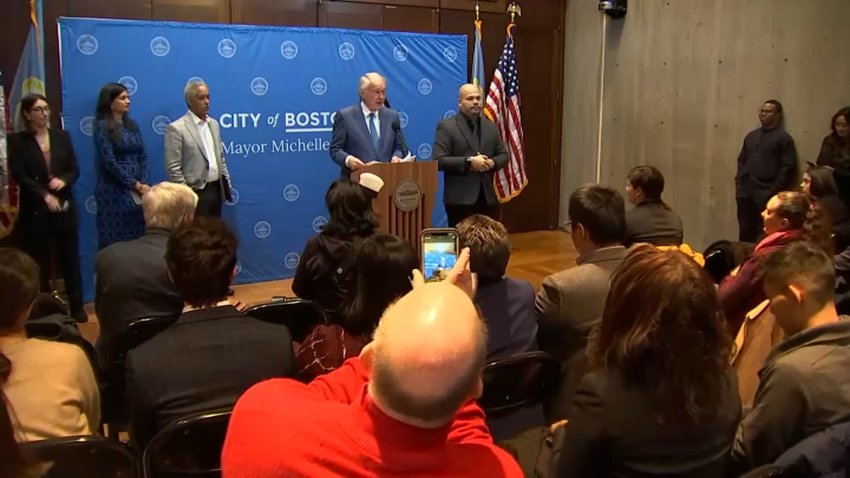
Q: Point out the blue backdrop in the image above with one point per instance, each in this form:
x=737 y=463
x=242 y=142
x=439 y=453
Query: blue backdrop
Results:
x=274 y=91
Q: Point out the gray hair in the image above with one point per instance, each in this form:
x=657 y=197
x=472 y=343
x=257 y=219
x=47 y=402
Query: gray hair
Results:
x=192 y=89
x=167 y=205
x=368 y=79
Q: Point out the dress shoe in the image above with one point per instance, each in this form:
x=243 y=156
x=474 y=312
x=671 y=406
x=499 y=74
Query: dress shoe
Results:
x=81 y=317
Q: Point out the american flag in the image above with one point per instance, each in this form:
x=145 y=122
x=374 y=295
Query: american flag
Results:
x=503 y=109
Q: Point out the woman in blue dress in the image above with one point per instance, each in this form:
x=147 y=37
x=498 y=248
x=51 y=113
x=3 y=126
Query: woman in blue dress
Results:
x=122 y=168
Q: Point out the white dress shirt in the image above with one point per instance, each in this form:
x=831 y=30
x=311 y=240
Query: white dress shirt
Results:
x=205 y=132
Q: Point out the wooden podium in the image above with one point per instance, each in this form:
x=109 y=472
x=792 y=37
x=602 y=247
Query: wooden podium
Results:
x=406 y=201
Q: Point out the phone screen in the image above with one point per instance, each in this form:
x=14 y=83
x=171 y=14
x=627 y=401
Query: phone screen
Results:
x=439 y=253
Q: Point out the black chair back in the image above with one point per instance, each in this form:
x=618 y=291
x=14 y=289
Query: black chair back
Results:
x=518 y=381
x=115 y=351
x=73 y=457
x=190 y=446
x=298 y=315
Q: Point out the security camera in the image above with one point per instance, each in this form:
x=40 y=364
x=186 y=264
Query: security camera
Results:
x=614 y=8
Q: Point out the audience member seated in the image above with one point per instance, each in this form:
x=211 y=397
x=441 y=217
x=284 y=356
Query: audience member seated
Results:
x=660 y=398
x=381 y=275
x=324 y=273
x=405 y=407
x=788 y=217
x=818 y=182
x=758 y=335
x=804 y=382
x=213 y=353
x=131 y=277
x=651 y=220
x=50 y=387
x=506 y=304
x=569 y=303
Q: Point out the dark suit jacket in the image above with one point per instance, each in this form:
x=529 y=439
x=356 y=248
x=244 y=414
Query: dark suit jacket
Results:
x=351 y=137
x=205 y=361
x=454 y=142
x=614 y=431
x=654 y=223
x=28 y=168
x=131 y=282
x=508 y=307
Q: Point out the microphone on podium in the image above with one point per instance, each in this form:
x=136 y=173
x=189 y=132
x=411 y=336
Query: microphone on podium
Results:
x=397 y=130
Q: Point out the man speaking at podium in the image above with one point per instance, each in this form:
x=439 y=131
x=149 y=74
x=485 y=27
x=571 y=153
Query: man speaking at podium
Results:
x=366 y=132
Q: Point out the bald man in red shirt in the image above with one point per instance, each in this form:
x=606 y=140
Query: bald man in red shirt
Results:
x=404 y=408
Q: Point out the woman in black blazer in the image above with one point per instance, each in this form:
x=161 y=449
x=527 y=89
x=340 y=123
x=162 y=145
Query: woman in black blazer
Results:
x=43 y=163
x=660 y=398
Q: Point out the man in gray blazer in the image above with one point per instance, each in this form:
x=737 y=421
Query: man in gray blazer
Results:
x=469 y=151
x=194 y=154
x=570 y=303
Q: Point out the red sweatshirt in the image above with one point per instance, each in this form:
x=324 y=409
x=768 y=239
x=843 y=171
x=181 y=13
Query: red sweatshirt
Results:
x=329 y=428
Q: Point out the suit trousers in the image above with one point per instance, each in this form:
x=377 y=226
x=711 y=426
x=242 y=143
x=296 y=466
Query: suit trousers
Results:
x=59 y=247
x=209 y=200
x=459 y=212
x=750 y=223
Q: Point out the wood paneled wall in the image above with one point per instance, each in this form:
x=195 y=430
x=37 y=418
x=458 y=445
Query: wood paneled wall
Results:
x=539 y=40
x=683 y=81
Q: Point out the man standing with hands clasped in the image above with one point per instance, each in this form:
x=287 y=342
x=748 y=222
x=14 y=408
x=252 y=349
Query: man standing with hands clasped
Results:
x=194 y=154
x=469 y=151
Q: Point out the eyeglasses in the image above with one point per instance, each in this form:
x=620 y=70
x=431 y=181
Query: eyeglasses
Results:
x=40 y=109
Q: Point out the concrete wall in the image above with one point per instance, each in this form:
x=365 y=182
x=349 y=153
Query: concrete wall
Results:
x=682 y=82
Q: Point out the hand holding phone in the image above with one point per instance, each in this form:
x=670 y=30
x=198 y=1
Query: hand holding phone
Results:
x=439 y=252
x=460 y=275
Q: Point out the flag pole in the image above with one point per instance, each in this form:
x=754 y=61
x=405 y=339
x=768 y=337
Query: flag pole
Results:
x=477 y=11
x=514 y=11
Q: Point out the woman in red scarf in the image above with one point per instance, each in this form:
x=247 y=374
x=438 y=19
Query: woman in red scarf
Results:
x=788 y=217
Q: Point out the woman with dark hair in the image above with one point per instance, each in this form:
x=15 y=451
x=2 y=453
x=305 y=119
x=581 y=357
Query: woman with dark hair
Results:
x=50 y=386
x=651 y=220
x=42 y=161
x=659 y=397
x=836 y=145
x=788 y=217
x=819 y=182
x=323 y=273
x=381 y=275
x=121 y=165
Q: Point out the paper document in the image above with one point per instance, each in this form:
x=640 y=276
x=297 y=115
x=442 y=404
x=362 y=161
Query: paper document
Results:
x=408 y=158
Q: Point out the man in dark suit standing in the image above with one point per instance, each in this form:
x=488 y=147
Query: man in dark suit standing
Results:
x=214 y=352
x=767 y=165
x=131 y=278
x=367 y=132
x=469 y=151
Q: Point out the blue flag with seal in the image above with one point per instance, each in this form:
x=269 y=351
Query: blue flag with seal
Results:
x=478 y=57
x=274 y=92
x=29 y=77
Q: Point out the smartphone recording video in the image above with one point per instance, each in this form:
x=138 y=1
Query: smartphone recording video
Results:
x=439 y=252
